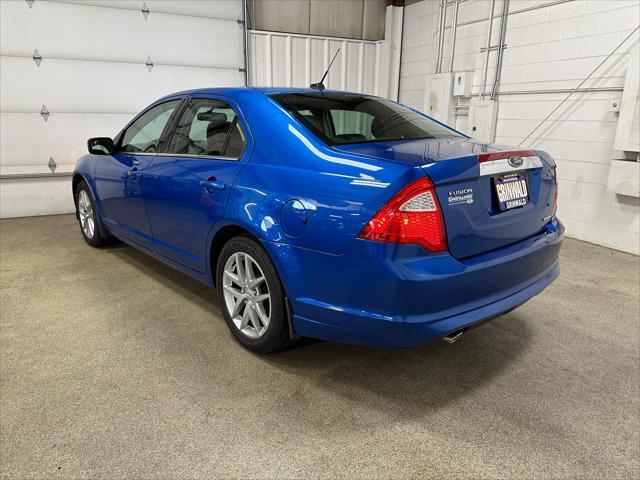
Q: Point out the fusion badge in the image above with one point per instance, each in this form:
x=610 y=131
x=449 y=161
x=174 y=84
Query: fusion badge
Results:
x=462 y=195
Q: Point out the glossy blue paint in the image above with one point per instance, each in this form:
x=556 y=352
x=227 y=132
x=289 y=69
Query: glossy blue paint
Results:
x=306 y=202
x=398 y=296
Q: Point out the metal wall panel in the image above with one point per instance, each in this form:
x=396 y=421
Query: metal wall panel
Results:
x=355 y=19
x=373 y=19
x=288 y=60
x=280 y=15
x=281 y=57
x=318 y=58
x=301 y=75
x=373 y=63
x=337 y=18
x=335 y=77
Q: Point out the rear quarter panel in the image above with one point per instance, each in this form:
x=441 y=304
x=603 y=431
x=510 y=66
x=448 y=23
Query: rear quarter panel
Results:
x=338 y=192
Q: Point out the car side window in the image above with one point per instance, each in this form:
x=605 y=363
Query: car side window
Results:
x=143 y=135
x=208 y=128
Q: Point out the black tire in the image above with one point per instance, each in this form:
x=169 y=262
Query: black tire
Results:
x=276 y=337
x=93 y=236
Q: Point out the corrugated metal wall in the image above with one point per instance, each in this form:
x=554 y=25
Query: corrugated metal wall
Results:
x=290 y=60
x=357 y=19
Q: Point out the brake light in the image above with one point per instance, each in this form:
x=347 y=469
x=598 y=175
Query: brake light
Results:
x=555 y=193
x=413 y=215
x=489 y=157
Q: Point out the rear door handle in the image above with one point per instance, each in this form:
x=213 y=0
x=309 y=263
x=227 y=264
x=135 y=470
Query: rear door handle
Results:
x=211 y=185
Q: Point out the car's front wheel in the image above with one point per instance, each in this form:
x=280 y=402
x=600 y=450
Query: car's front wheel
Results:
x=251 y=296
x=88 y=217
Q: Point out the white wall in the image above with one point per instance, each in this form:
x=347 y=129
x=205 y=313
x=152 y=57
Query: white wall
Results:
x=553 y=47
x=290 y=60
x=297 y=60
x=93 y=79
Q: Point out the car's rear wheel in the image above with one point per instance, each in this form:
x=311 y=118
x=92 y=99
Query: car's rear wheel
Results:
x=251 y=296
x=87 y=216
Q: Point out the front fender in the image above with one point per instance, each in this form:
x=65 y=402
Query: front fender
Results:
x=86 y=168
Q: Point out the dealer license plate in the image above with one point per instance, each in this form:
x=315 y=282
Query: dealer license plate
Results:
x=512 y=191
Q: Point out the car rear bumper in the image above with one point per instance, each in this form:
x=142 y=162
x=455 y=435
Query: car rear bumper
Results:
x=398 y=296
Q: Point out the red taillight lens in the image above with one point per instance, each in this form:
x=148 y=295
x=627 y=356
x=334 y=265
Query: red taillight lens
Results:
x=488 y=157
x=412 y=216
x=555 y=193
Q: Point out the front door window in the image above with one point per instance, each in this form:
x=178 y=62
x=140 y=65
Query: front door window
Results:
x=143 y=135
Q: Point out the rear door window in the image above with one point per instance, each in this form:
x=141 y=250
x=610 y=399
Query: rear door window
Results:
x=208 y=128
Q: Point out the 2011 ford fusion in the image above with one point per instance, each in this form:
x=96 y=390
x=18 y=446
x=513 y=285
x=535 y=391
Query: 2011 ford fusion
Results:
x=332 y=215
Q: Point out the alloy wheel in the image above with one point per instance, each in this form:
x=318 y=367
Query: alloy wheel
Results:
x=85 y=212
x=246 y=295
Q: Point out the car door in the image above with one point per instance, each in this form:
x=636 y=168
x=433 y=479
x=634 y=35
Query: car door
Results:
x=188 y=184
x=119 y=178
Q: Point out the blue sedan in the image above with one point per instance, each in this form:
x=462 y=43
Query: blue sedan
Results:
x=332 y=215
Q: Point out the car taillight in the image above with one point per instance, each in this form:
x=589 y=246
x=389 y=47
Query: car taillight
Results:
x=555 y=193
x=413 y=215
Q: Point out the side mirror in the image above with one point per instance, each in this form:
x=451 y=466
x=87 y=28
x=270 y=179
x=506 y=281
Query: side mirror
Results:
x=100 y=145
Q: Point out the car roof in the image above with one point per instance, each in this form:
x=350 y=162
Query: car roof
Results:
x=232 y=91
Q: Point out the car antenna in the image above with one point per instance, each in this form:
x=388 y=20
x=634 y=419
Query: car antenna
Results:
x=320 y=86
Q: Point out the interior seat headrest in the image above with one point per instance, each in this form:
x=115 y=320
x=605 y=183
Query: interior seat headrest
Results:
x=212 y=117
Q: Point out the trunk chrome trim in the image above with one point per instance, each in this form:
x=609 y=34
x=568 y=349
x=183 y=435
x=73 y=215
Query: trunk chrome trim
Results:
x=495 y=167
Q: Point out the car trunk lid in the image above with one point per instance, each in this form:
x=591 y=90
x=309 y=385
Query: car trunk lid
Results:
x=491 y=196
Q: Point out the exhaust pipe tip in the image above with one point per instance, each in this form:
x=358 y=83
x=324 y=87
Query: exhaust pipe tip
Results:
x=453 y=336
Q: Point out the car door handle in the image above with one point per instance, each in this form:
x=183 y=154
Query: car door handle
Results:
x=134 y=174
x=210 y=186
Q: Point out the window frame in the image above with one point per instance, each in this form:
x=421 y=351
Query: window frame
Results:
x=163 y=152
x=163 y=136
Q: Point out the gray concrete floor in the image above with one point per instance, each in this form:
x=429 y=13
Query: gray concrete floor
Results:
x=114 y=365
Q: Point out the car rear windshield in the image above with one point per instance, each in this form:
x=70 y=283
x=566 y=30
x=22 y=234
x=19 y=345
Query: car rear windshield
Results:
x=339 y=118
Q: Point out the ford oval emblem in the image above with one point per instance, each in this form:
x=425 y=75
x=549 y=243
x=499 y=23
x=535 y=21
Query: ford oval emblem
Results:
x=516 y=162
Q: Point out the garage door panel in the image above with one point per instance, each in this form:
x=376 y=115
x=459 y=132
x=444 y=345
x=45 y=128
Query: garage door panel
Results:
x=27 y=140
x=223 y=9
x=90 y=87
x=25 y=197
x=65 y=31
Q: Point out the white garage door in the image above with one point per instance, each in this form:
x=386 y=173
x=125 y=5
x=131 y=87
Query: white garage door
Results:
x=74 y=69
